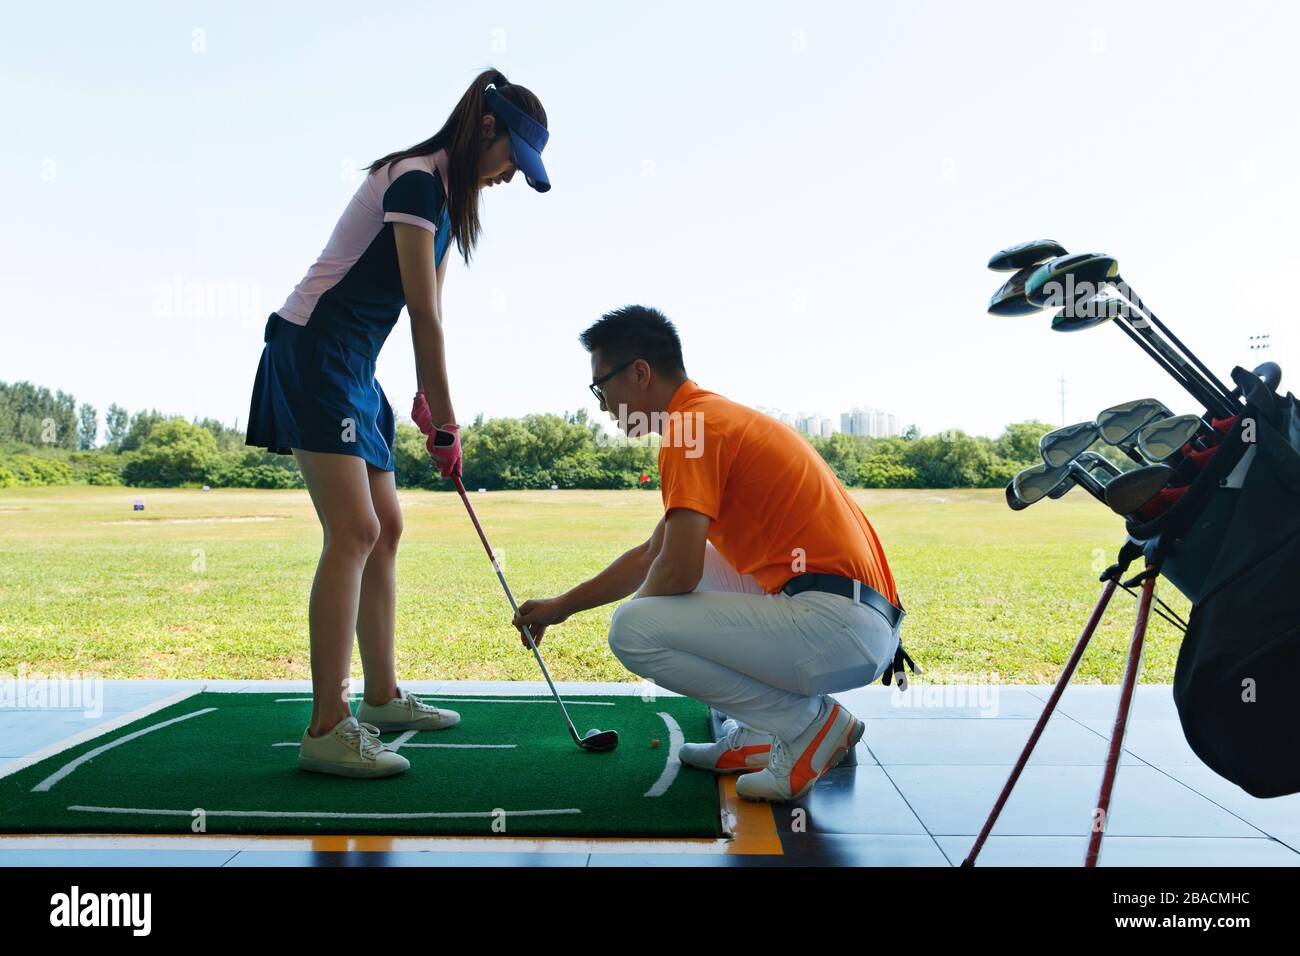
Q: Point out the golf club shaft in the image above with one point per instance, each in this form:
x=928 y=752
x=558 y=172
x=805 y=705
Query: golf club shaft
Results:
x=523 y=628
x=1210 y=391
x=1198 y=390
x=1210 y=376
x=1084 y=480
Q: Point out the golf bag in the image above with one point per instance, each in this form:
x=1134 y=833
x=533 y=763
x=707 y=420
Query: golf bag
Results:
x=1232 y=545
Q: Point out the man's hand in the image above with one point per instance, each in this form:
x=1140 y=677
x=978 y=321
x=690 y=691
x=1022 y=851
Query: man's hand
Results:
x=538 y=615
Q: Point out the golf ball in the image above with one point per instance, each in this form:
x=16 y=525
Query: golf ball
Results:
x=593 y=732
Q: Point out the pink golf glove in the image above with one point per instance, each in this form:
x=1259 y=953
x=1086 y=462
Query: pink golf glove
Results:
x=420 y=413
x=444 y=449
x=443 y=443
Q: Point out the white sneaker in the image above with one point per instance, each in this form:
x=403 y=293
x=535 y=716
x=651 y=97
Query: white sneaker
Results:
x=741 y=748
x=407 y=713
x=794 y=767
x=351 y=749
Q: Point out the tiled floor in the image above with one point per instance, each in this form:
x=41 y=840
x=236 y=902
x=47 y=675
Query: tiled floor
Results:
x=929 y=768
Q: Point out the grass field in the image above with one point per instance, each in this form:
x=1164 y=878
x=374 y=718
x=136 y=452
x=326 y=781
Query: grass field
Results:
x=215 y=584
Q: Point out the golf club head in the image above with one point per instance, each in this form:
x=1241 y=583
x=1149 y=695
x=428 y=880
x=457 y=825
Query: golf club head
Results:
x=1164 y=438
x=1013 y=502
x=599 y=740
x=1062 y=446
x=1094 y=311
x=1063 y=489
x=1024 y=254
x=1094 y=462
x=1128 y=492
x=1120 y=422
x=1069 y=279
x=1038 y=481
x=1010 y=299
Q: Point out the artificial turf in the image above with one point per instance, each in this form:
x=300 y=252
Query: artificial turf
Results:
x=218 y=764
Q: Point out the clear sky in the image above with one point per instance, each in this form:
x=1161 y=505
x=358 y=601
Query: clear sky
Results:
x=810 y=190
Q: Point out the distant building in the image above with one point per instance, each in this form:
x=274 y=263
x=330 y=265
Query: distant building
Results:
x=870 y=423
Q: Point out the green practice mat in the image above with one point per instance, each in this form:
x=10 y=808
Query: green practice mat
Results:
x=509 y=768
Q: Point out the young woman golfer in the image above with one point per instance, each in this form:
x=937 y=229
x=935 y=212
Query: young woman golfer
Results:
x=316 y=396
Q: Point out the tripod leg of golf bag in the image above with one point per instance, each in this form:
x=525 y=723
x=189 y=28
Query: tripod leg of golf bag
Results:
x=1064 y=680
x=1127 y=688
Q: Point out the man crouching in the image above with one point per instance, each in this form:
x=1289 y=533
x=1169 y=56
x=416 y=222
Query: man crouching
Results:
x=763 y=588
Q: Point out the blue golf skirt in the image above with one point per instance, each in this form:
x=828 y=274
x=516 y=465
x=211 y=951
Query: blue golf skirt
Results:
x=316 y=390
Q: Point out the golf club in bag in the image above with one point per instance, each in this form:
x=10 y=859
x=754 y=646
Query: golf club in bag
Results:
x=1231 y=544
x=597 y=740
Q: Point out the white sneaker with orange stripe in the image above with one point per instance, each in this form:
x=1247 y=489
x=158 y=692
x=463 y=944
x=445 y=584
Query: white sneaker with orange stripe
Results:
x=793 y=767
x=741 y=748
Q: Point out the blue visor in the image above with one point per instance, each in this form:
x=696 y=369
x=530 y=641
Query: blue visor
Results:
x=527 y=139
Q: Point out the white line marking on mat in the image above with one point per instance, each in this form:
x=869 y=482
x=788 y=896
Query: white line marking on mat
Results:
x=98 y=730
x=327 y=814
x=675 y=740
x=482 y=700
x=403 y=738
x=294 y=743
x=89 y=755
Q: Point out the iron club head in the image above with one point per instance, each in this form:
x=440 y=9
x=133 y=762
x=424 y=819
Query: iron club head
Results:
x=1164 y=438
x=1128 y=492
x=599 y=740
x=1062 y=446
x=1038 y=481
x=1121 y=422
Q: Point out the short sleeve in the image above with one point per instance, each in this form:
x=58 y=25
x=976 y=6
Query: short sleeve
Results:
x=693 y=469
x=417 y=198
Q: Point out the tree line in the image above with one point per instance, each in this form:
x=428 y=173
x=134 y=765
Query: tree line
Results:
x=48 y=438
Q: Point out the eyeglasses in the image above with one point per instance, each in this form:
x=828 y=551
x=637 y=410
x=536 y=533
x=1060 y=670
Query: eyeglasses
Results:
x=596 y=385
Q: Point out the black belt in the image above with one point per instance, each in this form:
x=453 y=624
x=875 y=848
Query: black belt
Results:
x=835 y=584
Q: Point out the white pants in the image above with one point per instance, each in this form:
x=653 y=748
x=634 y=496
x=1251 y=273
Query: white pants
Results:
x=765 y=659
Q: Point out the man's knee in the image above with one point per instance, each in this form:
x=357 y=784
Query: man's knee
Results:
x=632 y=632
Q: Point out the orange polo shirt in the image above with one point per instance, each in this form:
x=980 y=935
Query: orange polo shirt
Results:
x=777 y=508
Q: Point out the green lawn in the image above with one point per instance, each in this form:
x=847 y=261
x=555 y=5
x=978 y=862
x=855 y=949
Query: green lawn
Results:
x=215 y=584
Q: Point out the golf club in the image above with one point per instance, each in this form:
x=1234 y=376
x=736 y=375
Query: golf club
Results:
x=1038 y=481
x=1010 y=299
x=1128 y=492
x=1057 y=279
x=597 y=740
x=1041 y=481
x=1164 y=438
x=1024 y=254
x=1119 y=423
x=1066 y=444
x=1094 y=462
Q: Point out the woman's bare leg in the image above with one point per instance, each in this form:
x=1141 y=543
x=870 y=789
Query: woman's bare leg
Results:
x=340 y=490
x=376 y=618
